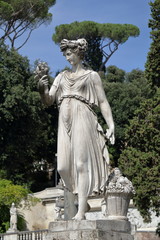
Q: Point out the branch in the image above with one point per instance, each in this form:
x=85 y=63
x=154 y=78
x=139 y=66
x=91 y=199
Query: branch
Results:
x=6 y=29
x=106 y=55
x=10 y=28
x=25 y=40
x=22 y=30
x=14 y=15
x=102 y=40
x=110 y=48
x=27 y=37
x=17 y=27
x=106 y=45
x=10 y=39
x=22 y=22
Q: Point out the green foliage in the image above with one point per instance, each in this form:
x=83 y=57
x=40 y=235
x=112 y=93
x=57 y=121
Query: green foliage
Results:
x=115 y=74
x=94 y=56
x=115 y=32
x=134 y=75
x=10 y=193
x=140 y=160
x=153 y=59
x=27 y=129
x=125 y=92
x=99 y=37
x=19 y=16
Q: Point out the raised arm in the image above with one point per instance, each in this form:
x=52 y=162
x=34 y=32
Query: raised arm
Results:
x=48 y=96
x=104 y=106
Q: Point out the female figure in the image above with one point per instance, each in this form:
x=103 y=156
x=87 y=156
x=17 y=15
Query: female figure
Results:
x=13 y=217
x=83 y=159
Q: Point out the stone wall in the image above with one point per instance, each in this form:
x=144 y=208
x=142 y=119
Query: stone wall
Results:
x=39 y=216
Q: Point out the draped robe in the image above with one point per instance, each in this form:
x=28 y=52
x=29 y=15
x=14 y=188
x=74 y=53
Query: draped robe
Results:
x=80 y=136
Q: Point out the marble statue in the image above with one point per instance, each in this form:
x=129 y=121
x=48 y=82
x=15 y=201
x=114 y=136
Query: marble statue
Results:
x=13 y=218
x=83 y=159
x=119 y=191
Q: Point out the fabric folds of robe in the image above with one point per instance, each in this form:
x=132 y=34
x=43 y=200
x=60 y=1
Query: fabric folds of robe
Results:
x=80 y=135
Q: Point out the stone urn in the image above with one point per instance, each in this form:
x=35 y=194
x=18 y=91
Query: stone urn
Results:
x=119 y=191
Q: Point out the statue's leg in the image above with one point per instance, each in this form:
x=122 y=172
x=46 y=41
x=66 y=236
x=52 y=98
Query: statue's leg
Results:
x=64 y=171
x=64 y=156
x=83 y=181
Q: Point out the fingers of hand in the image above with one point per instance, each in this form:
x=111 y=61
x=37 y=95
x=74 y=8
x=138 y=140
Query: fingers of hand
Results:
x=112 y=140
x=44 y=80
x=110 y=136
x=108 y=133
x=44 y=77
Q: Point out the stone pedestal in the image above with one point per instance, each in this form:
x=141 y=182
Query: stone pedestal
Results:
x=90 y=230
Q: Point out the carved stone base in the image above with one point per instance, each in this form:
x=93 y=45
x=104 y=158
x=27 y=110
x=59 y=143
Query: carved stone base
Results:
x=117 y=218
x=90 y=230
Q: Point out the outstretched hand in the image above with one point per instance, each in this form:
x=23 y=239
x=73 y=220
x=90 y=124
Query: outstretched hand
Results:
x=110 y=135
x=43 y=84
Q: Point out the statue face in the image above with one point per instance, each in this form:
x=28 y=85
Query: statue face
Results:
x=72 y=57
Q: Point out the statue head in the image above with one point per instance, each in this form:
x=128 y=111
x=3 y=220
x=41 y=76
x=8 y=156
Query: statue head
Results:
x=78 y=47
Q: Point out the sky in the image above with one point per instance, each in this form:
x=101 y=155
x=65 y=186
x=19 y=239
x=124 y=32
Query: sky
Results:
x=130 y=55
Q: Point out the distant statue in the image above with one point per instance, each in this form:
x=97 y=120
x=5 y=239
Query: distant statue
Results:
x=13 y=218
x=83 y=159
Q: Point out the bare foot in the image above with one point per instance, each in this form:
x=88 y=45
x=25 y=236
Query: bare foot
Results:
x=79 y=216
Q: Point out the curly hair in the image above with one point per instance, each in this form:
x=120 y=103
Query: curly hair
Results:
x=77 y=46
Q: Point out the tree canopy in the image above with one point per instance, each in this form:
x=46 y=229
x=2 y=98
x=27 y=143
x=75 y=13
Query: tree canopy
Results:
x=103 y=38
x=114 y=74
x=27 y=128
x=21 y=17
x=125 y=92
x=140 y=160
x=153 y=58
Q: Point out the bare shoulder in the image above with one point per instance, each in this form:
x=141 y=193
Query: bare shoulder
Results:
x=57 y=79
x=94 y=74
x=95 y=78
x=59 y=75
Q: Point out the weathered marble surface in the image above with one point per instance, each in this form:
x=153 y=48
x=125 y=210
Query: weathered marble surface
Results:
x=119 y=191
x=82 y=155
x=90 y=230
